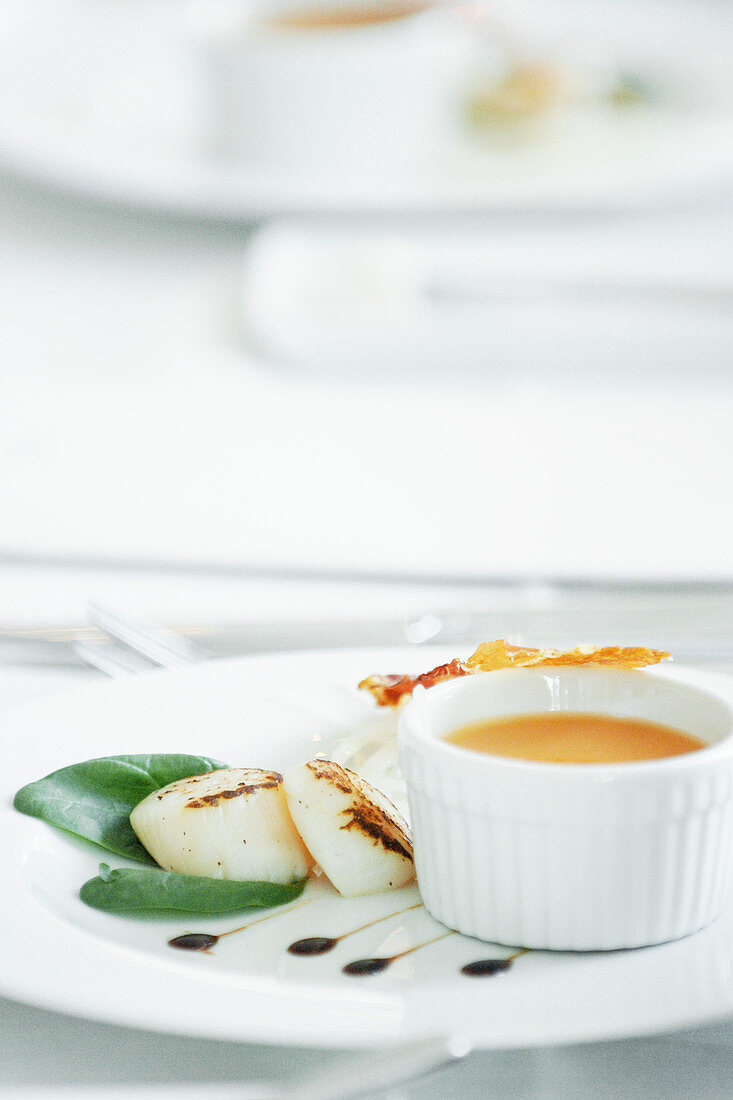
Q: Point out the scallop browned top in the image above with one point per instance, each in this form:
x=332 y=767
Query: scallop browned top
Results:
x=368 y=812
x=254 y=779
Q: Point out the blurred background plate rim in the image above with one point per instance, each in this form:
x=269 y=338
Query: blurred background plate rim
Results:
x=184 y=187
x=669 y=154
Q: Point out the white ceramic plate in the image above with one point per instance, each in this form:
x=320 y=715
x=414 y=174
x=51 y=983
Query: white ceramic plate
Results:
x=103 y=101
x=270 y=711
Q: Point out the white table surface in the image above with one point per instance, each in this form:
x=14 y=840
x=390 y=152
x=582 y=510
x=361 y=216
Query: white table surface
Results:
x=135 y=422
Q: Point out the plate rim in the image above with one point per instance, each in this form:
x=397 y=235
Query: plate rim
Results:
x=91 y=1004
x=184 y=181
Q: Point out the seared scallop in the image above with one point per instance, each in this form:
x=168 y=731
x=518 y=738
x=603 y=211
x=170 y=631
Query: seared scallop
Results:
x=232 y=823
x=352 y=831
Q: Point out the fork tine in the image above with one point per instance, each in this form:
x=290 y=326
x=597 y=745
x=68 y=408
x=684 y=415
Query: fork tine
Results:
x=112 y=659
x=159 y=646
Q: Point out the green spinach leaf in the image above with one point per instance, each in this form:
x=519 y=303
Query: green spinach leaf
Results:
x=94 y=799
x=138 y=889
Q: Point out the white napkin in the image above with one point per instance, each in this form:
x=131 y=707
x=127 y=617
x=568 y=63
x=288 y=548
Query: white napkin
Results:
x=484 y=304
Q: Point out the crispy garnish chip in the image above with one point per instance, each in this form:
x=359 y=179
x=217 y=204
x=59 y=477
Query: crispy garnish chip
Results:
x=500 y=654
x=389 y=691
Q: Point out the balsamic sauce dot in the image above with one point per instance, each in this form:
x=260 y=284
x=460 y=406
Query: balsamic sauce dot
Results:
x=367 y=966
x=486 y=968
x=316 y=945
x=194 y=941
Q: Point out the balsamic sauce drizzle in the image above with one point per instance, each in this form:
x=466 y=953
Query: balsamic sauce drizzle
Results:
x=482 y=968
x=204 y=941
x=315 y=945
x=487 y=968
x=362 y=967
x=194 y=941
x=320 y=945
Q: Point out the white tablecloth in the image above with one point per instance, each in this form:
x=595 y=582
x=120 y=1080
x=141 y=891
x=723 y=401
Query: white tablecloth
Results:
x=136 y=423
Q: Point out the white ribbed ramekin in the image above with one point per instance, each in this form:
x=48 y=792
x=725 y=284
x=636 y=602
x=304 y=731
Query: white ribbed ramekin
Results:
x=572 y=856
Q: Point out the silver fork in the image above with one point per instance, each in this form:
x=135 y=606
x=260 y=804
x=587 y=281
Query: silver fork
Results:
x=132 y=646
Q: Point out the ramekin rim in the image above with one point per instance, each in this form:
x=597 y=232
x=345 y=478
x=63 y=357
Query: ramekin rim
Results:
x=439 y=748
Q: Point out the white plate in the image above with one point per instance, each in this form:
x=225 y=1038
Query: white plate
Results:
x=270 y=711
x=109 y=109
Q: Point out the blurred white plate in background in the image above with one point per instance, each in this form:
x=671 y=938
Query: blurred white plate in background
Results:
x=102 y=100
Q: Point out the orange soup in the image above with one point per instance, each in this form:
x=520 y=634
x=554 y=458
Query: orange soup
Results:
x=564 y=737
